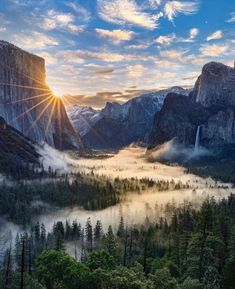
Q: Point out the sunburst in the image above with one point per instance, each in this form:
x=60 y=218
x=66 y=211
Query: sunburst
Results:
x=45 y=100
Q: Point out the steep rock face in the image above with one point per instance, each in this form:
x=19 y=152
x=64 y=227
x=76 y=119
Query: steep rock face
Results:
x=216 y=86
x=219 y=129
x=211 y=105
x=28 y=104
x=118 y=125
x=17 y=152
x=178 y=120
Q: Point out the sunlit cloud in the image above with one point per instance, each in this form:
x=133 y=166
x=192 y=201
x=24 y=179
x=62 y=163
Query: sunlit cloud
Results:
x=194 y=33
x=165 y=75
x=127 y=12
x=35 y=40
x=60 y=21
x=173 y=54
x=116 y=35
x=214 y=36
x=172 y=38
x=173 y=8
x=49 y=58
x=161 y=63
x=213 y=50
x=166 y=40
x=79 y=55
x=135 y=71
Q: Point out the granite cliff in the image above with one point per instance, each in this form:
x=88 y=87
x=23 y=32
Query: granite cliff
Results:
x=28 y=104
x=211 y=105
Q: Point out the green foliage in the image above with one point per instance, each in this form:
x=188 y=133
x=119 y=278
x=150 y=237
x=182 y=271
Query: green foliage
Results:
x=162 y=279
x=58 y=270
x=101 y=259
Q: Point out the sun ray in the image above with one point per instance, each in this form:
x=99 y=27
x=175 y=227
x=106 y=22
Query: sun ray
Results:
x=50 y=117
x=25 y=86
x=30 y=98
x=39 y=116
x=30 y=109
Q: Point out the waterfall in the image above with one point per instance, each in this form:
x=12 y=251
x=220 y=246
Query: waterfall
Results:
x=197 y=141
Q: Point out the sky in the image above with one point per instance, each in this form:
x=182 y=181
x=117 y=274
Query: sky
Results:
x=112 y=50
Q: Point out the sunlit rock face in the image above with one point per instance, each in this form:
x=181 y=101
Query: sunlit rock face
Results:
x=28 y=104
x=211 y=105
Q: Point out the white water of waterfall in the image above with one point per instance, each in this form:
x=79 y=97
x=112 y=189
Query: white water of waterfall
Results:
x=197 y=141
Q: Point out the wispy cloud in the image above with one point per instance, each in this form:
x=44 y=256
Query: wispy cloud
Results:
x=35 y=40
x=232 y=18
x=213 y=50
x=60 y=21
x=127 y=12
x=78 y=56
x=166 y=40
x=141 y=45
x=214 y=36
x=116 y=35
x=172 y=8
x=172 y=38
x=80 y=10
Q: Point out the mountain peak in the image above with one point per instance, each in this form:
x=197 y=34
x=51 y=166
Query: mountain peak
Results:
x=216 y=85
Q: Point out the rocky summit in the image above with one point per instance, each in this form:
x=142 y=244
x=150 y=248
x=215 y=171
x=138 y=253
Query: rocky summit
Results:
x=210 y=106
x=28 y=104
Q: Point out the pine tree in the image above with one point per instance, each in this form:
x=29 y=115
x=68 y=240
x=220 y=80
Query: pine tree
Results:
x=89 y=234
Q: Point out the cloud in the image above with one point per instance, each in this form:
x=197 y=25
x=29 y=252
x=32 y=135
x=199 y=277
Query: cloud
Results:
x=80 y=10
x=216 y=35
x=166 y=40
x=135 y=71
x=155 y=3
x=173 y=54
x=127 y=12
x=117 y=35
x=100 y=99
x=180 y=57
x=49 y=58
x=172 y=38
x=165 y=75
x=60 y=21
x=105 y=71
x=2 y=29
x=213 y=50
x=172 y=8
x=77 y=56
x=161 y=63
x=35 y=40
x=139 y=46
x=193 y=33
x=232 y=18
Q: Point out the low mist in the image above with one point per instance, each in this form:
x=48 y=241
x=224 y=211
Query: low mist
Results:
x=176 y=153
